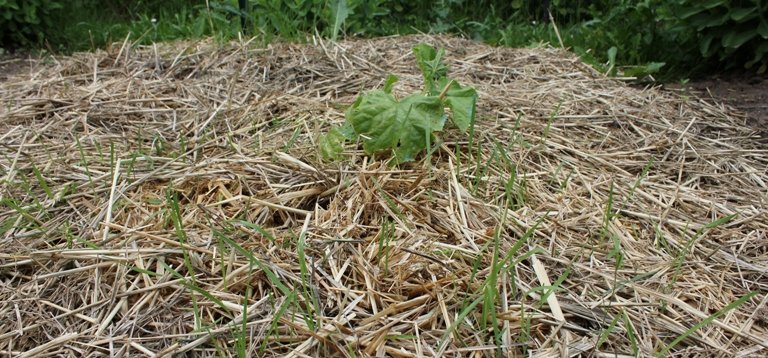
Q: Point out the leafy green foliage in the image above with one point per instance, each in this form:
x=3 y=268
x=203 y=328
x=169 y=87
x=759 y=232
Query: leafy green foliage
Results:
x=408 y=125
x=23 y=22
x=667 y=38
x=430 y=62
x=625 y=37
x=731 y=31
x=332 y=143
x=402 y=126
x=90 y=24
x=339 y=13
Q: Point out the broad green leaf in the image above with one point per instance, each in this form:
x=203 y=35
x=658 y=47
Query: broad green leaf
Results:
x=741 y=14
x=762 y=29
x=339 y=13
x=331 y=144
x=369 y=115
x=760 y=54
x=385 y=123
x=709 y=4
x=431 y=64
x=347 y=131
x=462 y=102
x=705 y=45
x=653 y=67
x=735 y=39
x=707 y=20
x=612 y=52
x=688 y=12
x=644 y=70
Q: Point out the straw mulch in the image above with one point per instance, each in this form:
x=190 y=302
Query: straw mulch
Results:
x=170 y=200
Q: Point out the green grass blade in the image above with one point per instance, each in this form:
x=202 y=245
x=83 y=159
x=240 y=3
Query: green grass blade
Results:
x=271 y=276
x=258 y=229
x=193 y=286
x=464 y=313
x=42 y=182
x=705 y=322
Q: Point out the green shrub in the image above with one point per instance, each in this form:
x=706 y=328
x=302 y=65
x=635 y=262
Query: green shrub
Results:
x=617 y=37
x=677 y=38
x=90 y=24
x=23 y=23
x=732 y=32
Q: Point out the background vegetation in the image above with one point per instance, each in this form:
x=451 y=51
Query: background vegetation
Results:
x=671 y=39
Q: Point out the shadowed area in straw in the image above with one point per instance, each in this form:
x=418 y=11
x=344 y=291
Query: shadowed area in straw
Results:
x=171 y=199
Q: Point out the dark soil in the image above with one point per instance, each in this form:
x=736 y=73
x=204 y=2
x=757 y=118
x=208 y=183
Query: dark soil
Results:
x=13 y=64
x=746 y=93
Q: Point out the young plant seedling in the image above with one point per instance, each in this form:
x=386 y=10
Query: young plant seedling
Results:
x=405 y=126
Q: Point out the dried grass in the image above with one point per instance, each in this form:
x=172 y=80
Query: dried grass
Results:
x=606 y=258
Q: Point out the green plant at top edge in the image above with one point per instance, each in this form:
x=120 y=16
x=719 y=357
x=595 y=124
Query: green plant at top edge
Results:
x=24 y=22
x=405 y=126
x=732 y=32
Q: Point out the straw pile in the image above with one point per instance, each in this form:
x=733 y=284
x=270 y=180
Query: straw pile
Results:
x=170 y=200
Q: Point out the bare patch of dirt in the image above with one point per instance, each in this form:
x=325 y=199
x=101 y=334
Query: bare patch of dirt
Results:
x=746 y=93
x=11 y=65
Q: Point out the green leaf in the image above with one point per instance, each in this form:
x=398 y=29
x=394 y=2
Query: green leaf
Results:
x=257 y=228
x=709 y=4
x=685 y=13
x=462 y=102
x=385 y=123
x=704 y=45
x=430 y=62
x=644 y=70
x=760 y=55
x=391 y=79
x=348 y=131
x=741 y=14
x=612 y=52
x=331 y=144
x=339 y=13
x=762 y=29
x=735 y=39
x=192 y=286
x=706 y=20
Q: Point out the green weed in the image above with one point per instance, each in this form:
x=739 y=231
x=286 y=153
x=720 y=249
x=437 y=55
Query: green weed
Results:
x=386 y=234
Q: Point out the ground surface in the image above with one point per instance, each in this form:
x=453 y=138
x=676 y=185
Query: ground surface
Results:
x=12 y=65
x=747 y=93
x=170 y=200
